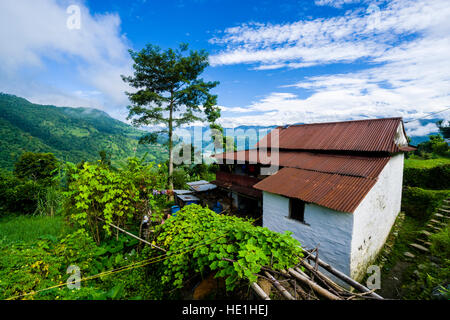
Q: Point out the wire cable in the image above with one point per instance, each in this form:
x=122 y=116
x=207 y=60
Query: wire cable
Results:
x=124 y=268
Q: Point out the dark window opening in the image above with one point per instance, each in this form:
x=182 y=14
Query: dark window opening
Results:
x=297 y=210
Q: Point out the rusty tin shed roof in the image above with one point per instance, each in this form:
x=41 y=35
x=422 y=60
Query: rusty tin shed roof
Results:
x=374 y=135
x=359 y=166
x=334 y=191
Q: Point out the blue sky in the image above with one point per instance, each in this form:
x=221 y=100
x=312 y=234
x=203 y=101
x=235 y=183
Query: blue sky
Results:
x=278 y=62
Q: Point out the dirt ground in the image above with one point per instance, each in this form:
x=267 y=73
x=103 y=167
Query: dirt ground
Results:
x=391 y=281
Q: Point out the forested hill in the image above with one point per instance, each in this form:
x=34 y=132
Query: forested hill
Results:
x=72 y=134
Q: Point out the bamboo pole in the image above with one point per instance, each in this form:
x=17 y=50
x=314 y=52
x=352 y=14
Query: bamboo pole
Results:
x=323 y=292
x=322 y=277
x=280 y=288
x=299 y=289
x=346 y=278
x=259 y=291
x=132 y=235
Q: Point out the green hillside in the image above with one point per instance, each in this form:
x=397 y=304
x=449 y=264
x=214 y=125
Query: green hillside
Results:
x=72 y=134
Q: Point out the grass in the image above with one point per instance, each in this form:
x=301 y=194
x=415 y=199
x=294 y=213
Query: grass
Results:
x=15 y=229
x=425 y=164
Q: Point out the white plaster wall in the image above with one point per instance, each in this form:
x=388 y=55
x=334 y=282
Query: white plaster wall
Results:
x=400 y=138
x=374 y=217
x=328 y=229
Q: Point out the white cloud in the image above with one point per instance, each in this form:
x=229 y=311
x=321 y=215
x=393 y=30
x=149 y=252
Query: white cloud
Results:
x=358 y=34
x=35 y=39
x=416 y=129
x=407 y=72
x=334 y=3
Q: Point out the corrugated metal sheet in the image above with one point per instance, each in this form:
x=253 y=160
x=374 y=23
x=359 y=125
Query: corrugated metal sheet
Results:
x=360 y=166
x=239 y=179
x=407 y=148
x=375 y=135
x=249 y=191
x=201 y=185
x=334 y=191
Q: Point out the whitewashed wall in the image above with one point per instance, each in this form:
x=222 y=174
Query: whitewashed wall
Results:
x=328 y=229
x=374 y=217
x=348 y=242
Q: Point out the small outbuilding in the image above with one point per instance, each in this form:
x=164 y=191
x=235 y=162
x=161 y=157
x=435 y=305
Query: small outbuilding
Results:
x=337 y=186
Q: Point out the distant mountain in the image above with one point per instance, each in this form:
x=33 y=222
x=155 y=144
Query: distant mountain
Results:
x=240 y=131
x=76 y=134
x=72 y=134
x=252 y=133
x=415 y=140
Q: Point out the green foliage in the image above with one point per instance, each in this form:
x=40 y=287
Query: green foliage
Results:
x=440 y=243
x=168 y=80
x=72 y=134
x=41 y=261
x=50 y=201
x=436 y=144
x=41 y=167
x=116 y=196
x=437 y=177
x=431 y=282
x=415 y=162
x=420 y=203
x=17 y=195
x=206 y=238
x=444 y=128
x=20 y=228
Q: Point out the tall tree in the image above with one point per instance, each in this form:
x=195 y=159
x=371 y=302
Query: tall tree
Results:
x=444 y=128
x=170 y=91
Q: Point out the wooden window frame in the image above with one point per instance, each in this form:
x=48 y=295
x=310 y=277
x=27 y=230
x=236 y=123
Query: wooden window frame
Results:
x=300 y=215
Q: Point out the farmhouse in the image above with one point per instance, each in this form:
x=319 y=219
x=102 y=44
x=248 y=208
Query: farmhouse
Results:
x=336 y=186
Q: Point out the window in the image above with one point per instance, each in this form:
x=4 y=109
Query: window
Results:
x=297 y=210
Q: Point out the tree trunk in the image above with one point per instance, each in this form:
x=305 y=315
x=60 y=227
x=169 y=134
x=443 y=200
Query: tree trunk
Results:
x=170 y=178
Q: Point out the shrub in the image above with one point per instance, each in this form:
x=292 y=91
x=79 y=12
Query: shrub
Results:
x=440 y=243
x=36 y=166
x=180 y=178
x=420 y=203
x=115 y=196
x=437 y=178
x=436 y=144
x=18 y=196
x=206 y=238
x=49 y=201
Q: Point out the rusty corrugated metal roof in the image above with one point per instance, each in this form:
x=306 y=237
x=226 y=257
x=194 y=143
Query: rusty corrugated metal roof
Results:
x=250 y=191
x=360 y=166
x=374 y=135
x=334 y=191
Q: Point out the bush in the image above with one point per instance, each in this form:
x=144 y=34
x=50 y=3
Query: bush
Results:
x=437 y=178
x=180 y=177
x=49 y=201
x=41 y=260
x=419 y=203
x=115 y=196
x=19 y=196
x=436 y=144
x=37 y=166
x=440 y=243
x=213 y=237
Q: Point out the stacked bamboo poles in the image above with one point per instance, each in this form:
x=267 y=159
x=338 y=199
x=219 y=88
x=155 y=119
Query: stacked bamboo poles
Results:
x=311 y=284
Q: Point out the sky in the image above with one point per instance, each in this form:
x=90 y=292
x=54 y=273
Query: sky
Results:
x=278 y=62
